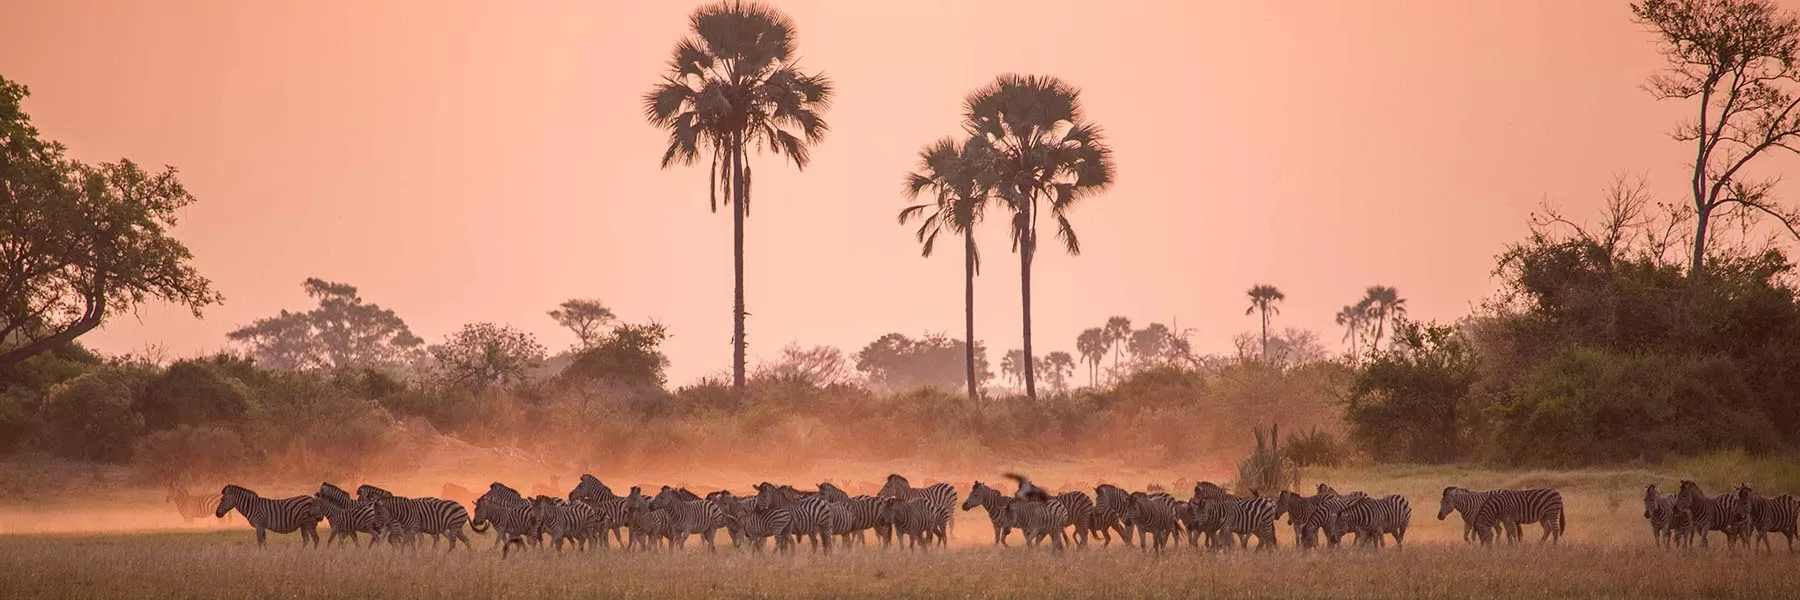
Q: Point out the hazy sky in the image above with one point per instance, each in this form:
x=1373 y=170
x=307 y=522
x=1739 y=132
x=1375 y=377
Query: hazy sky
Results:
x=482 y=161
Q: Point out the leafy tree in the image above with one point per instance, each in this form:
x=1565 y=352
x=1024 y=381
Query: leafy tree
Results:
x=1048 y=156
x=194 y=392
x=1408 y=403
x=732 y=86
x=1381 y=304
x=629 y=355
x=1150 y=345
x=898 y=363
x=90 y=417
x=1092 y=345
x=342 y=332
x=1737 y=61
x=587 y=319
x=1263 y=299
x=80 y=242
x=818 y=366
x=956 y=174
x=486 y=355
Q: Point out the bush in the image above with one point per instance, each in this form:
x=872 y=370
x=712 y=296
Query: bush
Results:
x=17 y=423
x=1314 y=448
x=202 y=453
x=1266 y=471
x=194 y=392
x=90 y=417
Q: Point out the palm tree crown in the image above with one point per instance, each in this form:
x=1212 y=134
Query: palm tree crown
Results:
x=957 y=176
x=1263 y=298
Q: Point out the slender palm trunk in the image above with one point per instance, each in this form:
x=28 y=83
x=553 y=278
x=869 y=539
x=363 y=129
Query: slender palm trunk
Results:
x=969 y=316
x=737 y=252
x=1026 y=250
x=1265 y=331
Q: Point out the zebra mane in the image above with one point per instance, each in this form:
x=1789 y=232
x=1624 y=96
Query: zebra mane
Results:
x=231 y=488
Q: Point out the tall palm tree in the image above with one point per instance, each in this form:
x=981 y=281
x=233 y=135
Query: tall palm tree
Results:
x=1118 y=335
x=957 y=176
x=1383 y=303
x=1263 y=298
x=1353 y=317
x=1048 y=156
x=734 y=85
x=1092 y=346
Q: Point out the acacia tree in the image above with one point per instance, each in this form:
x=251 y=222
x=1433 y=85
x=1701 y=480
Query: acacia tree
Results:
x=1738 y=61
x=1263 y=298
x=1048 y=156
x=586 y=318
x=487 y=356
x=734 y=85
x=78 y=242
x=956 y=175
x=342 y=332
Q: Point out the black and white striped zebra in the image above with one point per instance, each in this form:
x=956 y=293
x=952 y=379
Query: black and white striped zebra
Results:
x=590 y=489
x=1668 y=527
x=1299 y=510
x=371 y=493
x=1762 y=515
x=1372 y=519
x=280 y=515
x=191 y=506
x=1242 y=517
x=1465 y=503
x=1155 y=517
x=754 y=526
x=992 y=501
x=431 y=516
x=1038 y=519
x=870 y=513
x=649 y=527
x=1109 y=512
x=689 y=514
x=1508 y=510
x=347 y=517
x=914 y=522
x=941 y=496
x=576 y=521
x=512 y=522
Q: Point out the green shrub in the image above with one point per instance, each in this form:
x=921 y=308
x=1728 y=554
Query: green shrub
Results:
x=90 y=417
x=1314 y=448
x=202 y=453
x=1266 y=471
x=194 y=392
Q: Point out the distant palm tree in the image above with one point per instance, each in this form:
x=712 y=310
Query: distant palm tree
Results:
x=1354 y=318
x=1048 y=157
x=1092 y=346
x=734 y=85
x=1263 y=298
x=1058 y=367
x=1383 y=303
x=1118 y=335
x=956 y=174
x=1012 y=366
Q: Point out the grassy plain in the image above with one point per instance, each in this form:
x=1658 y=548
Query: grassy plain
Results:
x=1607 y=554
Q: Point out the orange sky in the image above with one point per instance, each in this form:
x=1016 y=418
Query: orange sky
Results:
x=465 y=161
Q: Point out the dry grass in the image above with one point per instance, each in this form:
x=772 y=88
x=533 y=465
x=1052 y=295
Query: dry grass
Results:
x=1607 y=554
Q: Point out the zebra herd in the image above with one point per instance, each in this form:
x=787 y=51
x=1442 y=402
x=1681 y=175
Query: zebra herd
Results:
x=1676 y=518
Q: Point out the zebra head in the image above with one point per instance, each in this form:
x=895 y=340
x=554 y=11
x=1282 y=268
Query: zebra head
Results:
x=1210 y=491
x=591 y=489
x=978 y=494
x=333 y=495
x=369 y=492
x=1448 y=503
x=1652 y=502
x=231 y=496
x=1689 y=494
x=1326 y=489
x=1291 y=504
x=832 y=493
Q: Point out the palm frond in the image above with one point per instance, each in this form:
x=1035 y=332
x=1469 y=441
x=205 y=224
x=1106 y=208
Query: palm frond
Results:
x=1066 y=233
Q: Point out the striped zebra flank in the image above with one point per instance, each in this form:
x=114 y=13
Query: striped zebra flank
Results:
x=1109 y=512
x=191 y=506
x=430 y=516
x=563 y=520
x=914 y=522
x=870 y=513
x=1081 y=514
x=941 y=496
x=347 y=517
x=1243 y=518
x=1038 y=519
x=1156 y=519
x=512 y=522
x=755 y=526
x=1668 y=527
x=280 y=515
x=1372 y=519
x=1508 y=510
x=1718 y=513
x=1465 y=503
x=1763 y=515
x=690 y=514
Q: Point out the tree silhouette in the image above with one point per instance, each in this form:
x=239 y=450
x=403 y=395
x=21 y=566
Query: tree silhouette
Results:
x=344 y=331
x=1048 y=157
x=1354 y=318
x=734 y=85
x=956 y=175
x=1739 y=59
x=1058 y=367
x=1092 y=346
x=587 y=319
x=485 y=355
x=1381 y=304
x=1118 y=335
x=1263 y=298
x=1012 y=366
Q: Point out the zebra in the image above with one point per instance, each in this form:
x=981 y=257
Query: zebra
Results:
x=1508 y=509
x=1156 y=519
x=513 y=523
x=1371 y=519
x=1668 y=526
x=1037 y=519
x=190 y=506
x=371 y=493
x=1299 y=510
x=813 y=519
x=1109 y=510
x=832 y=493
x=347 y=517
x=1189 y=521
x=1244 y=517
x=690 y=516
x=1718 y=513
x=1081 y=514
x=284 y=515
x=870 y=513
x=913 y=519
x=994 y=503
x=942 y=498
x=431 y=516
x=1763 y=515
x=1465 y=503
x=754 y=526
x=648 y=526
x=567 y=520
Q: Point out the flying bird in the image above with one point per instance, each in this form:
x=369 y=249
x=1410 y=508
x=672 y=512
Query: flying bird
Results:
x=1027 y=491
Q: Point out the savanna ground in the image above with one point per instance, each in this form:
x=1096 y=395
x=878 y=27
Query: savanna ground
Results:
x=127 y=543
